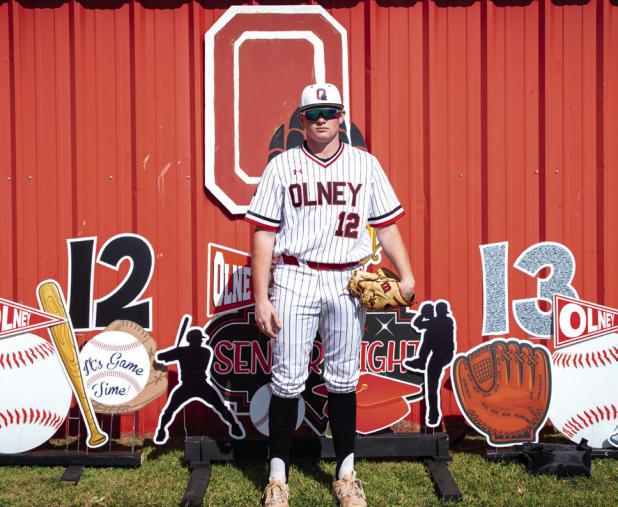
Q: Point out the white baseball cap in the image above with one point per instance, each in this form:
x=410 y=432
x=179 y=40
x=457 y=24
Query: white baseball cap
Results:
x=320 y=94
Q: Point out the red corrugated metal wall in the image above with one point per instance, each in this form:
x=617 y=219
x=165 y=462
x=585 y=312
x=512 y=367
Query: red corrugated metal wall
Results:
x=496 y=121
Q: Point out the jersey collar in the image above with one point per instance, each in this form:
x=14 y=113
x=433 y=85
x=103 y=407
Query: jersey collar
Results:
x=320 y=161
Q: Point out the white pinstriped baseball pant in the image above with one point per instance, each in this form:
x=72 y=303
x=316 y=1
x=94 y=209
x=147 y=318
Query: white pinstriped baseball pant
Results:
x=308 y=301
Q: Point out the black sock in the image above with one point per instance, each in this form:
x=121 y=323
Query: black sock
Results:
x=342 y=417
x=282 y=415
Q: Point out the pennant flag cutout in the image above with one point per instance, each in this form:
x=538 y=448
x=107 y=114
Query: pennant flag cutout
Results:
x=17 y=319
x=576 y=320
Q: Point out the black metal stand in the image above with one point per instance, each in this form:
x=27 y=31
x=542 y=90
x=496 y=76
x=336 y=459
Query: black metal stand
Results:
x=197 y=485
x=200 y=452
x=515 y=453
x=73 y=458
x=72 y=474
x=74 y=461
x=604 y=453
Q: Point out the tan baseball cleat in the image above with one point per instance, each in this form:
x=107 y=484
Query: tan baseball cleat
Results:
x=276 y=494
x=349 y=491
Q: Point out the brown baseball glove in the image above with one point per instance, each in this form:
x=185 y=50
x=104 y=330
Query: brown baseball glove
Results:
x=377 y=291
x=503 y=389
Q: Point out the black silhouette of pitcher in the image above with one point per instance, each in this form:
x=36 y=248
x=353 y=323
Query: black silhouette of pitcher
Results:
x=435 y=353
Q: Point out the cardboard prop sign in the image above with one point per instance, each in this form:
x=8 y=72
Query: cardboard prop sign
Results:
x=503 y=389
x=380 y=401
x=585 y=372
x=194 y=364
x=62 y=335
x=120 y=370
x=245 y=46
x=17 y=319
x=438 y=330
x=260 y=404
x=35 y=397
x=242 y=359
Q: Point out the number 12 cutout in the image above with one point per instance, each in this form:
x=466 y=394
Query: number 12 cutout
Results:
x=124 y=301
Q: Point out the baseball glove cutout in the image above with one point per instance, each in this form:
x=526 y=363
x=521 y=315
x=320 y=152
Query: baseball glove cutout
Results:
x=377 y=291
x=503 y=389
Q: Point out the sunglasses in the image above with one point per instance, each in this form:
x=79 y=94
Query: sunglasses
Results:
x=328 y=113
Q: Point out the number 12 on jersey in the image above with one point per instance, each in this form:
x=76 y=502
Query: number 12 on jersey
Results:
x=347 y=226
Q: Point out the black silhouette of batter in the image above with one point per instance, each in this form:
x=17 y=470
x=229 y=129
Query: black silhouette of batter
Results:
x=435 y=353
x=194 y=364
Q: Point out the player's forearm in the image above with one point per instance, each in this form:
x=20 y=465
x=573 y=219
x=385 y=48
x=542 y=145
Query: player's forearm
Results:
x=394 y=248
x=261 y=259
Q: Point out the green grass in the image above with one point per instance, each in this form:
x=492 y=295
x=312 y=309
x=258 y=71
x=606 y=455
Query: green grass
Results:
x=162 y=478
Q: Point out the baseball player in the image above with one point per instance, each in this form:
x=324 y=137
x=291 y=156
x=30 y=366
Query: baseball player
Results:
x=310 y=210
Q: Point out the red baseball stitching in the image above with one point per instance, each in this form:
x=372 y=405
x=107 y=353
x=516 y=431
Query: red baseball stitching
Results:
x=110 y=347
x=261 y=421
x=43 y=417
x=25 y=357
x=114 y=373
x=264 y=418
x=596 y=359
x=589 y=417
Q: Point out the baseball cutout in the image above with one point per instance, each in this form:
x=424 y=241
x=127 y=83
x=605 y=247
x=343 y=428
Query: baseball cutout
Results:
x=36 y=396
x=115 y=366
x=258 y=409
x=584 y=398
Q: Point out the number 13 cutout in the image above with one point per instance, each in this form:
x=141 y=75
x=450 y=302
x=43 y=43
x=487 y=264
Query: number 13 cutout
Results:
x=526 y=312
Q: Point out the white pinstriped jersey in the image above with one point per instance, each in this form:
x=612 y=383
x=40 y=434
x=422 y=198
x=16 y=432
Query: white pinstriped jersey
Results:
x=320 y=208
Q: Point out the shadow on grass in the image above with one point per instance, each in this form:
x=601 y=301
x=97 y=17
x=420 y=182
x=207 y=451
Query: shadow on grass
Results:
x=252 y=471
x=158 y=451
x=255 y=470
x=471 y=444
x=310 y=467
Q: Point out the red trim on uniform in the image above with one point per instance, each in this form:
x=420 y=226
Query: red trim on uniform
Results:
x=293 y=261
x=390 y=221
x=289 y=259
x=331 y=267
x=321 y=162
x=260 y=224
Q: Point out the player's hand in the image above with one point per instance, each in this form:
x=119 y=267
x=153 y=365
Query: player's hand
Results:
x=407 y=289
x=266 y=318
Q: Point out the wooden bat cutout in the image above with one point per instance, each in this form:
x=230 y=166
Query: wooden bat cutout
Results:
x=51 y=300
